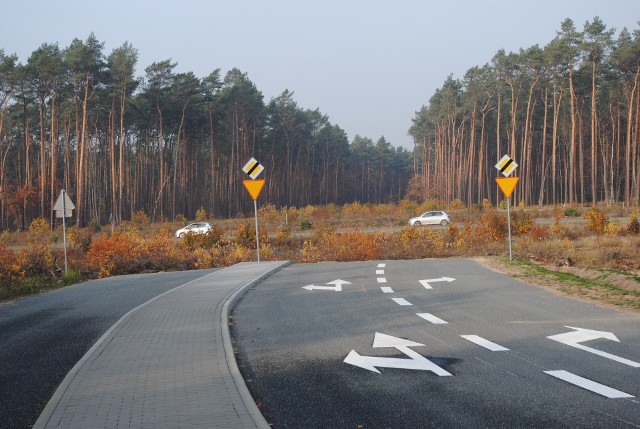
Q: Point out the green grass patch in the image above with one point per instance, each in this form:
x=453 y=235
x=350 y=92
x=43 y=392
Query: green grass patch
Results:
x=38 y=284
x=29 y=286
x=622 y=273
x=567 y=280
x=71 y=277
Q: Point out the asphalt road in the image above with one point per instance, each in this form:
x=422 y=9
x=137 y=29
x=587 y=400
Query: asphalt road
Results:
x=428 y=369
x=42 y=337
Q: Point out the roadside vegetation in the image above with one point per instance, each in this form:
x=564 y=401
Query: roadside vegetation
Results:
x=584 y=252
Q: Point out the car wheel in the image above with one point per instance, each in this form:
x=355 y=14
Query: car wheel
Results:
x=181 y=234
x=444 y=222
x=417 y=223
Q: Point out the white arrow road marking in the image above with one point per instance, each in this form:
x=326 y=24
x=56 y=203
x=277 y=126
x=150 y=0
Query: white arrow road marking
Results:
x=337 y=286
x=484 y=343
x=431 y=318
x=426 y=282
x=401 y=301
x=382 y=280
x=574 y=338
x=587 y=384
x=386 y=289
x=416 y=361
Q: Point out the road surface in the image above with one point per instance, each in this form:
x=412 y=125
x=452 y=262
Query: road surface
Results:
x=43 y=336
x=432 y=343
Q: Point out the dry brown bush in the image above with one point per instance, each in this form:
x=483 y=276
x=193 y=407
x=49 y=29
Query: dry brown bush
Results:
x=482 y=230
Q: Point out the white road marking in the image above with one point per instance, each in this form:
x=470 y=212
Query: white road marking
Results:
x=426 y=282
x=578 y=335
x=587 y=384
x=382 y=265
x=382 y=280
x=337 y=286
x=431 y=318
x=381 y=272
x=386 y=289
x=416 y=361
x=484 y=343
x=401 y=301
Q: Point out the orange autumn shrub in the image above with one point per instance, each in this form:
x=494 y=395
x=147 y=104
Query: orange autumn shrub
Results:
x=246 y=234
x=114 y=254
x=38 y=261
x=596 y=220
x=521 y=222
x=235 y=253
x=355 y=210
x=493 y=227
x=10 y=271
x=214 y=236
x=343 y=247
x=39 y=231
x=540 y=232
x=161 y=252
x=419 y=242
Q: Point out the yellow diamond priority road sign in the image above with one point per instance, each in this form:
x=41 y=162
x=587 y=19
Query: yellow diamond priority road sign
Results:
x=253 y=168
x=506 y=165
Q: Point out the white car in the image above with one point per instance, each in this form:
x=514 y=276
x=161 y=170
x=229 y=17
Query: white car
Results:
x=431 y=218
x=194 y=228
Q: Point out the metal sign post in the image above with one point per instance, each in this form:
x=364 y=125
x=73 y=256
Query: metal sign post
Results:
x=253 y=169
x=507 y=184
x=509 y=226
x=63 y=208
x=506 y=166
x=255 y=209
x=64 y=233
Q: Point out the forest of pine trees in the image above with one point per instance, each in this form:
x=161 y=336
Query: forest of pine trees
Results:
x=168 y=143
x=567 y=113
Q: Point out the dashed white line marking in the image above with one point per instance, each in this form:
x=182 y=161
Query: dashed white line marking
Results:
x=382 y=265
x=587 y=384
x=431 y=318
x=380 y=272
x=382 y=280
x=484 y=343
x=386 y=289
x=401 y=301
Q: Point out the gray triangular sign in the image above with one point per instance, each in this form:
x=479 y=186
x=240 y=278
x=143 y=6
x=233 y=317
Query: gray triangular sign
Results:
x=68 y=205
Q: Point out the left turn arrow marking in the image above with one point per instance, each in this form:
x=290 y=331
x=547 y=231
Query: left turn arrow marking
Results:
x=416 y=361
x=337 y=286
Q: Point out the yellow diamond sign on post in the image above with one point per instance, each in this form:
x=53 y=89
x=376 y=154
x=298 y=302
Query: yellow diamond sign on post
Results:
x=506 y=165
x=507 y=184
x=254 y=187
x=253 y=168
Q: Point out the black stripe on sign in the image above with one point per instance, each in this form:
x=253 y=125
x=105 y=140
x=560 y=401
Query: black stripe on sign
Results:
x=253 y=168
x=506 y=166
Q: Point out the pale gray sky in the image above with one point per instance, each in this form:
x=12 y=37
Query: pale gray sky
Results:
x=367 y=64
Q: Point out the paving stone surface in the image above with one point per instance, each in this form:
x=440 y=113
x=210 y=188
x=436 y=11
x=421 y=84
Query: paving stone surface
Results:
x=166 y=364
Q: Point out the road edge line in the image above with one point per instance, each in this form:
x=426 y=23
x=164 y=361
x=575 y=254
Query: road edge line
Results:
x=241 y=386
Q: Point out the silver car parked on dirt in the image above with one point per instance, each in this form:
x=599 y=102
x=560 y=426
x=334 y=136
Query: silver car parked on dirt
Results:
x=195 y=228
x=431 y=218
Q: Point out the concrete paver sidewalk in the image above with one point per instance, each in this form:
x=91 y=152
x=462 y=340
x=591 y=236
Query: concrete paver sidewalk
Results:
x=166 y=364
